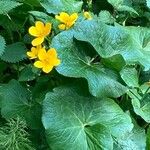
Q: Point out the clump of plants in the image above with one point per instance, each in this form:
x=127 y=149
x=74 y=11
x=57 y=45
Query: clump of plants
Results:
x=75 y=74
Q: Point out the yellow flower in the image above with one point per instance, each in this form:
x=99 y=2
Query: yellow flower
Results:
x=34 y=52
x=87 y=15
x=47 y=60
x=67 y=20
x=40 y=31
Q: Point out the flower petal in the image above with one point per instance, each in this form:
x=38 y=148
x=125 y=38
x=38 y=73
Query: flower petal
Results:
x=47 y=69
x=38 y=64
x=73 y=17
x=38 y=46
x=62 y=26
x=69 y=25
x=57 y=62
x=39 y=25
x=47 y=28
x=52 y=52
x=33 y=31
x=87 y=15
x=42 y=54
x=33 y=49
x=37 y=41
x=63 y=17
x=30 y=54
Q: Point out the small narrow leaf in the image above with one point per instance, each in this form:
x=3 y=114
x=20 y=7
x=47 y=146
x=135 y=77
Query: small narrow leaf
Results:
x=2 y=45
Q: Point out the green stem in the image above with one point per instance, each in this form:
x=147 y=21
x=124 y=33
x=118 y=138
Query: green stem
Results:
x=135 y=95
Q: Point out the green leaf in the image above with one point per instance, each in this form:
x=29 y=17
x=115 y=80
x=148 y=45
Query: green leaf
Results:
x=77 y=63
x=144 y=76
x=75 y=122
x=116 y=37
x=15 y=101
x=106 y=17
x=130 y=42
x=148 y=139
x=42 y=16
x=142 y=108
x=122 y=5
x=141 y=102
x=28 y=73
x=115 y=62
x=14 y=53
x=57 y=6
x=14 y=135
x=7 y=5
x=148 y=3
x=138 y=48
x=31 y=2
x=130 y=76
x=134 y=140
x=98 y=137
x=2 y=45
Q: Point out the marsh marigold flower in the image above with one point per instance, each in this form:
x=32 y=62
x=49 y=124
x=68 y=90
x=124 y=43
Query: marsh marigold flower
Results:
x=40 y=31
x=34 y=52
x=67 y=20
x=47 y=60
x=87 y=15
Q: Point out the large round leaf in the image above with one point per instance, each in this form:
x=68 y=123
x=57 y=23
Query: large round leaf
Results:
x=107 y=40
x=138 y=49
x=76 y=63
x=131 y=42
x=57 y=6
x=75 y=122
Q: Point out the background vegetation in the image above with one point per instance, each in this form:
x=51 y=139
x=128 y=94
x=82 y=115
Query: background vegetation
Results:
x=98 y=98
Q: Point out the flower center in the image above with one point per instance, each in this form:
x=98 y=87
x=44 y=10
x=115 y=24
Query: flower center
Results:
x=46 y=61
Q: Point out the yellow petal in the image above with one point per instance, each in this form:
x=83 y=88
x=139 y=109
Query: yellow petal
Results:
x=57 y=62
x=54 y=61
x=39 y=25
x=42 y=54
x=69 y=25
x=72 y=20
x=38 y=64
x=33 y=31
x=47 y=28
x=39 y=46
x=30 y=54
x=47 y=69
x=74 y=17
x=52 y=52
x=87 y=15
x=37 y=41
x=33 y=49
x=62 y=26
x=63 y=17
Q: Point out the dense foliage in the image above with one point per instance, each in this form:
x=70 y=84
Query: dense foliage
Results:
x=75 y=75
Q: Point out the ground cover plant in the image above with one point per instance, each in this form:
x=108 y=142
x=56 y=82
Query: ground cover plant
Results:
x=75 y=75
